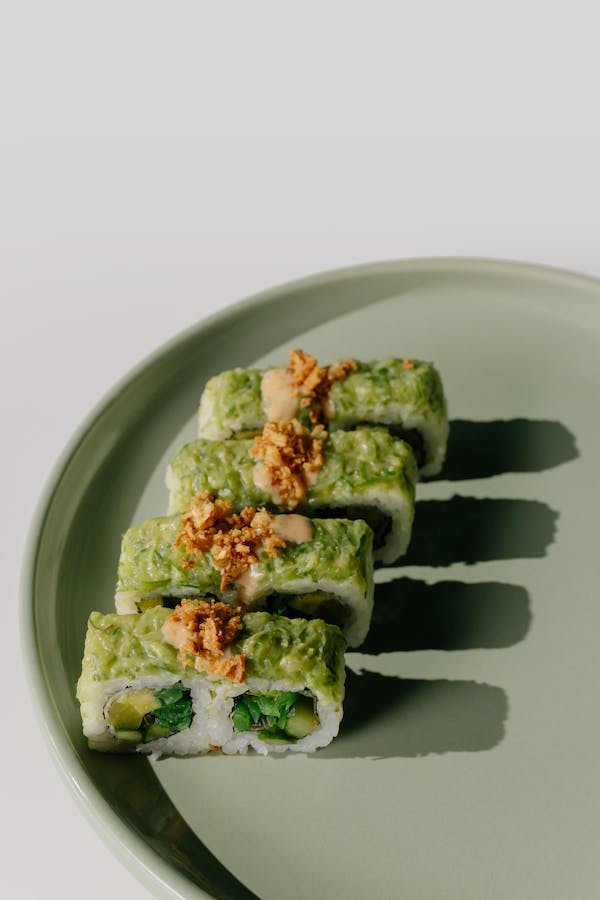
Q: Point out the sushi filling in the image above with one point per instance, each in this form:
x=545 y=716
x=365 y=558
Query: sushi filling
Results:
x=380 y=522
x=140 y=716
x=312 y=605
x=277 y=716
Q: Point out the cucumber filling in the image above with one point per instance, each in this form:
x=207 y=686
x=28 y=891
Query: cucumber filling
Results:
x=140 y=716
x=281 y=716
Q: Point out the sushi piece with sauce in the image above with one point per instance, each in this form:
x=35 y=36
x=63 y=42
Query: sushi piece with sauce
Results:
x=362 y=474
x=404 y=395
x=161 y=683
x=321 y=568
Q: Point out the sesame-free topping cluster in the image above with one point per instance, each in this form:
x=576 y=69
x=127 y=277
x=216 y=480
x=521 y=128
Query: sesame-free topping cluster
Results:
x=232 y=539
x=312 y=382
x=202 y=632
x=291 y=456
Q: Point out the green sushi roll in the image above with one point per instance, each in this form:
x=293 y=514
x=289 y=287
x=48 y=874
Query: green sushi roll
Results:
x=326 y=574
x=367 y=473
x=406 y=396
x=138 y=693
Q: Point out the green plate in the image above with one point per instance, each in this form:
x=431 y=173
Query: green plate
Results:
x=468 y=761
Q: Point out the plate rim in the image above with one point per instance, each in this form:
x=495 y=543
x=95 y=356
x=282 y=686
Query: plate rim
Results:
x=157 y=875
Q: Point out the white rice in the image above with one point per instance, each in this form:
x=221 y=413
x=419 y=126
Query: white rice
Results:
x=212 y=726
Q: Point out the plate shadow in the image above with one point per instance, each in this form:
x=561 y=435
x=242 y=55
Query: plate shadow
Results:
x=485 y=449
x=447 y=615
x=387 y=717
x=472 y=530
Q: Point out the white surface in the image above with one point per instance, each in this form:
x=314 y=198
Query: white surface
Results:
x=161 y=160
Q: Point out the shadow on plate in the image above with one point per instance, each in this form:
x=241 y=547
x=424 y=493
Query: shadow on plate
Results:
x=484 y=449
x=447 y=615
x=386 y=716
x=472 y=530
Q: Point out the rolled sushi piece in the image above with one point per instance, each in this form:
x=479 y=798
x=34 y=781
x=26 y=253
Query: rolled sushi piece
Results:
x=404 y=395
x=325 y=571
x=135 y=694
x=138 y=693
x=366 y=474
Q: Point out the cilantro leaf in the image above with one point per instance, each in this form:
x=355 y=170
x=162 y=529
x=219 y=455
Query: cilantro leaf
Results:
x=268 y=712
x=175 y=712
x=170 y=694
x=253 y=708
x=241 y=717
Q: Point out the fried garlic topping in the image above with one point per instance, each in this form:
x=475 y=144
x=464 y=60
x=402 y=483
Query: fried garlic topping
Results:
x=202 y=632
x=291 y=455
x=232 y=539
x=312 y=382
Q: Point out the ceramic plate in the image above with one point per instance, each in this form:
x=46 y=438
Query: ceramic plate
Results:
x=468 y=761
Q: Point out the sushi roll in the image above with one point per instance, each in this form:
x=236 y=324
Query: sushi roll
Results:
x=404 y=395
x=160 y=683
x=133 y=692
x=310 y=567
x=367 y=473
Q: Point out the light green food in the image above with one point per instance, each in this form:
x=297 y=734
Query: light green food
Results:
x=124 y=736
x=337 y=562
x=366 y=473
x=263 y=712
x=305 y=651
x=128 y=709
x=152 y=714
x=133 y=690
x=382 y=392
x=302 y=719
x=126 y=647
x=277 y=715
x=131 y=647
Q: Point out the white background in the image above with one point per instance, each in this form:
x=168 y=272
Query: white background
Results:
x=159 y=161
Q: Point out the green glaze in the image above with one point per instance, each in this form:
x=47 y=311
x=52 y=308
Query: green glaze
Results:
x=339 y=552
x=380 y=392
x=232 y=402
x=223 y=468
x=356 y=463
x=339 y=555
x=362 y=462
x=128 y=647
x=294 y=650
x=377 y=387
x=277 y=648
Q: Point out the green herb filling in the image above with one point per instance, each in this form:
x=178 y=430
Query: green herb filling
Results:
x=276 y=716
x=145 y=715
